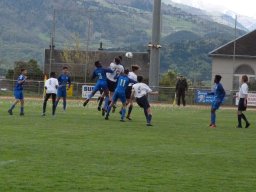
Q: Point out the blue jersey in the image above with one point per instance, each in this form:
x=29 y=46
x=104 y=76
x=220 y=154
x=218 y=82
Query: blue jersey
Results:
x=19 y=84
x=219 y=92
x=63 y=81
x=100 y=73
x=122 y=83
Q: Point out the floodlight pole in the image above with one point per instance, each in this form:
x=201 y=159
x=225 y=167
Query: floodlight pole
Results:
x=155 y=46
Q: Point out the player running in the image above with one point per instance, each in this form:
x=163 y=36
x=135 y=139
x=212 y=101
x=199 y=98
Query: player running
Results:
x=18 y=92
x=140 y=91
x=64 y=80
x=219 y=95
x=122 y=84
x=100 y=72
x=51 y=86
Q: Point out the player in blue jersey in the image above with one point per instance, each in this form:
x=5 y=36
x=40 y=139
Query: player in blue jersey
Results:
x=101 y=84
x=64 y=81
x=122 y=84
x=18 y=92
x=219 y=95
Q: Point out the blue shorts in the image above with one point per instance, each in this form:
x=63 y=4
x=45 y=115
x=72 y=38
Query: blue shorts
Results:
x=18 y=94
x=62 y=92
x=118 y=95
x=100 y=85
x=216 y=105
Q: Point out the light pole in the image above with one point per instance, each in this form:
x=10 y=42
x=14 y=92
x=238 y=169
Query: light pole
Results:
x=155 y=46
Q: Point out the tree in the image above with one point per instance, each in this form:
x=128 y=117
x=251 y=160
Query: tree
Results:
x=34 y=72
x=169 y=78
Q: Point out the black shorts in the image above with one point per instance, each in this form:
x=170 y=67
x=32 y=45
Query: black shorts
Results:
x=111 y=85
x=241 y=106
x=143 y=102
x=128 y=92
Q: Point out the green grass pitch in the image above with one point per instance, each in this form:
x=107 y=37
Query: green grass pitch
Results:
x=80 y=151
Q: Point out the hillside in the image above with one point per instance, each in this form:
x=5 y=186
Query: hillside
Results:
x=119 y=24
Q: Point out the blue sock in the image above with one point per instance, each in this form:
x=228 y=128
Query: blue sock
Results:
x=123 y=114
x=64 y=105
x=108 y=110
x=149 y=118
x=21 y=109
x=12 y=107
x=213 y=118
x=106 y=103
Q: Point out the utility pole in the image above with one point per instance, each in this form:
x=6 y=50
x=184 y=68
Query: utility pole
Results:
x=52 y=42
x=155 y=46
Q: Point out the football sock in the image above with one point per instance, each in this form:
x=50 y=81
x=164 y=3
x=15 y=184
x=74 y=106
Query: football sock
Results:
x=64 y=104
x=239 y=118
x=149 y=118
x=213 y=118
x=12 y=107
x=108 y=109
x=130 y=110
x=123 y=113
x=44 y=106
x=244 y=118
x=101 y=101
x=106 y=102
x=21 y=109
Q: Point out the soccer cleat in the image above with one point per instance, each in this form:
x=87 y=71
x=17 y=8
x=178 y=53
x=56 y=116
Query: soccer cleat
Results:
x=239 y=126
x=106 y=118
x=210 y=125
x=22 y=114
x=213 y=126
x=247 y=125
x=99 y=108
x=122 y=120
x=43 y=114
x=85 y=103
x=10 y=112
x=149 y=125
x=128 y=118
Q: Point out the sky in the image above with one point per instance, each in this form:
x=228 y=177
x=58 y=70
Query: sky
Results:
x=241 y=7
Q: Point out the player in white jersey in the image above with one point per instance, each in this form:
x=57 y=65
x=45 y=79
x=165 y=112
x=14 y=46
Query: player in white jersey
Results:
x=140 y=91
x=242 y=105
x=118 y=68
x=51 y=86
x=132 y=75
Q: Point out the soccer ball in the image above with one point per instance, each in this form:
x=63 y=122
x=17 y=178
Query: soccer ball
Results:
x=129 y=55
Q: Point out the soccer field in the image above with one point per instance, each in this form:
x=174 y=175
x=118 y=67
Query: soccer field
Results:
x=80 y=151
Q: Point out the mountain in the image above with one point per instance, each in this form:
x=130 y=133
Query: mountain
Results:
x=188 y=34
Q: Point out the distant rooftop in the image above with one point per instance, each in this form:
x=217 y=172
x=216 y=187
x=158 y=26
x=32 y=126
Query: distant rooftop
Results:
x=245 y=46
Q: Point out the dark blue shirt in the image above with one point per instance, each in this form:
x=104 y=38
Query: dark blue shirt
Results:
x=100 y=73
x=218 y=92
x=19 y=83
x=64 y=80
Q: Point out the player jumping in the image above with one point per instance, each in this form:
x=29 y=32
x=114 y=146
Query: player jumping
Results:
x=122 y=83
x=100 y=72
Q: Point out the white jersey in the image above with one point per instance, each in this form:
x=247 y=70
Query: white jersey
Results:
x=140 y=90
x=51 y=85
x=243 y=92
x=132 y=76
x=117 y=70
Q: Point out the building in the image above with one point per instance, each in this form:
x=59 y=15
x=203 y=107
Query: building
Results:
x=235 y=59
x=81 y=63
